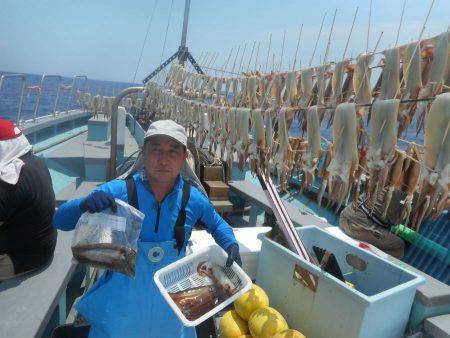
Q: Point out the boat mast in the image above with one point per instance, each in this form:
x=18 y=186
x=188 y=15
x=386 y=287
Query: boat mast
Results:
x=182 y=53
x=182 y=57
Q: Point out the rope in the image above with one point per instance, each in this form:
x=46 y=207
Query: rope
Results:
x=165 y=35
x=145 y=40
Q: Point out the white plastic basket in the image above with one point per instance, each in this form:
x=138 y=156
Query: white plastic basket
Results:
x=182 y=275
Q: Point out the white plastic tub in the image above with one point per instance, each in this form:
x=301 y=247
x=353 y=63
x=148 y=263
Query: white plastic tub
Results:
x=182 y=275
x=378 y=306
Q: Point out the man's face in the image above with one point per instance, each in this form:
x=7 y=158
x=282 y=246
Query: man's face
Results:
x=163 y=159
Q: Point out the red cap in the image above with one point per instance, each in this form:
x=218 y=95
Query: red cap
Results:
x=8 y=130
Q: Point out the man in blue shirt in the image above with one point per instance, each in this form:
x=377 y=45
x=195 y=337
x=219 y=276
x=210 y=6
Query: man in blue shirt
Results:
x=122 y=306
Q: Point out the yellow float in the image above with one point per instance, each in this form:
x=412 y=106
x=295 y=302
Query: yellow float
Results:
x=232 y=326
x=250 y=301
x=266 y=322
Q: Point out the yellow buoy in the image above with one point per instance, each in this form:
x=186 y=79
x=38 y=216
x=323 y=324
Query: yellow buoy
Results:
x=250 y=301
x=266 y=322
x=232 y=326
x=290 y=333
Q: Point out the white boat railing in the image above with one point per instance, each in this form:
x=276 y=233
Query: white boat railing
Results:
x=74 y=81
x=22 y=92
x=39 y=88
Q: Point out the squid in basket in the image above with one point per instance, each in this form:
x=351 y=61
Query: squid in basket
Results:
x=195 y=302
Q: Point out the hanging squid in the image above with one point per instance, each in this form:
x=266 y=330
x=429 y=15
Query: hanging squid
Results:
x=395 y=179
x=243 y=141
x=324 y=173
x=390 y=80
x=222 y=131
x=320 y=82
x=307 y=87
x=434 y=190
x=345 y=153
x=218 y=91
x=276 y=89
x=336 y=84
x=412 y=174
x=257 y=147
x=361 y=78
x=252 y=86
x=232 y=135
x=412 y=79
x=314 y=151
x=291 y=89
x=201 y=134
x=227 y=90
x=382 y=141
x=284 y=149
x=437 y=75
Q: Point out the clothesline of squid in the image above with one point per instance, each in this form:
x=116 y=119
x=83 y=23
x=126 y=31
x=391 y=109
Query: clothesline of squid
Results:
x=401 y=50
x=229 y=128
x=170 y=93
x=179 y=76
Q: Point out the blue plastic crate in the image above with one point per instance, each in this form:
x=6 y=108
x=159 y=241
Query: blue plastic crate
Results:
x=378 y=306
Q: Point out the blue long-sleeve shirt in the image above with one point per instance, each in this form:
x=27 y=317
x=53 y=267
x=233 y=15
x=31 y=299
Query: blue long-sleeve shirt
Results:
x=159 y=221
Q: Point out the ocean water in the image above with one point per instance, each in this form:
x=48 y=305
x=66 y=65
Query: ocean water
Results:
x=11 y=88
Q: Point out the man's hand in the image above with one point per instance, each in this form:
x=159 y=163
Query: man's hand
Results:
x=233 y=255
x=97 y=202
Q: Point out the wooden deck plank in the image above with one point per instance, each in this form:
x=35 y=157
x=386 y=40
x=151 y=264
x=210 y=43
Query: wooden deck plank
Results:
x=256 y=196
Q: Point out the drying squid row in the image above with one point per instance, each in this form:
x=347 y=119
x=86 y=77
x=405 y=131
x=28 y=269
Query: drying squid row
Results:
x=247 y=119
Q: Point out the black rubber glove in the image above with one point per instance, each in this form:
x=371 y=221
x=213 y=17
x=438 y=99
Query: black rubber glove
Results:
x=97 y=202
x=233 y=255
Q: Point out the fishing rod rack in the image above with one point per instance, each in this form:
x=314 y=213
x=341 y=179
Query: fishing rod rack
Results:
x=27 y=88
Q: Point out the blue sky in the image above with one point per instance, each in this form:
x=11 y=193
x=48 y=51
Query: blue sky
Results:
x=103 y=38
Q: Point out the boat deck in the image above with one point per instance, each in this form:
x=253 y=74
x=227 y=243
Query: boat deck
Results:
x=65 y=161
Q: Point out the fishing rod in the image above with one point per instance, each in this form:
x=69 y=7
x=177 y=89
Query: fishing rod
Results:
x=296 y=49
x=317 y=40
x=268 y=53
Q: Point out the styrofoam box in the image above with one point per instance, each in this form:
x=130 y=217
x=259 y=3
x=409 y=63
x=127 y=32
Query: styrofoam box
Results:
x=182 y=275
x=378 y=307
x=247 y=238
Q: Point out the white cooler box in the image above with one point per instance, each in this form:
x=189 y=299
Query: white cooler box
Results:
x=249 y=245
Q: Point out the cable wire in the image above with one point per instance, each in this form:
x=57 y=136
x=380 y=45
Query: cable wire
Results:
x=167 y=29
x=145 y=40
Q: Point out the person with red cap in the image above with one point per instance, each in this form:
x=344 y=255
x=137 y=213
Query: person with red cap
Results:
x=27 y=205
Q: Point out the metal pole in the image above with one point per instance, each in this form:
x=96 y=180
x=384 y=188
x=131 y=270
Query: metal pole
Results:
x=57 y=98
x=38 y=99
x=70 y=95
x=187 y=4
x=29 y=88
x=82 y=77
x=19 y=110
x=183 y=49
x=115 y=105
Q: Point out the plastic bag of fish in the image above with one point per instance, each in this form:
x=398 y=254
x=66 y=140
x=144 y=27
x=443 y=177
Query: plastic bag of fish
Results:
x=108 y=240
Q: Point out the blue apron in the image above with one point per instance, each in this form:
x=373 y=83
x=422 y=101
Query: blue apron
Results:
x=121 y=306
